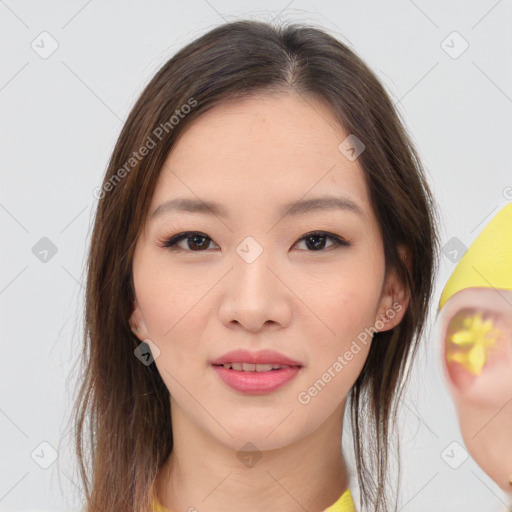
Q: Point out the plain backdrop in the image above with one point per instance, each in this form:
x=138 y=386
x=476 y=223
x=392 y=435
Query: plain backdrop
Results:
x=70 y=72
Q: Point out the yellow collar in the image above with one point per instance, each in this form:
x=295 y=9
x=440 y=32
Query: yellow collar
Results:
x=344 y=504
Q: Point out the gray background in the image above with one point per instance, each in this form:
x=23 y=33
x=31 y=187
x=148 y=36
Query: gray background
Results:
x=61 y=115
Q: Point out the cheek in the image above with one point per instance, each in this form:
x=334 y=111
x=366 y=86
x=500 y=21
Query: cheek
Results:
x=339 y=344
x=343 y=300
x=170 y=302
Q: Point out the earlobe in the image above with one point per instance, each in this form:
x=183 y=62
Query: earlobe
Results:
x=394 y=298
x=136 y=322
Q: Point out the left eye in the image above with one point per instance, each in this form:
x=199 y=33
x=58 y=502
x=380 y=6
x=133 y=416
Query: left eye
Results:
x=317 y=239
x=198 y=242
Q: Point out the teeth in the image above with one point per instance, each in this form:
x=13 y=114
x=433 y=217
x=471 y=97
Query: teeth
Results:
x=250 y=367
x=264 y=367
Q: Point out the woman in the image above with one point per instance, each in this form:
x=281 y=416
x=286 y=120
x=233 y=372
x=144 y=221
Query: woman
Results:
x=263 y=252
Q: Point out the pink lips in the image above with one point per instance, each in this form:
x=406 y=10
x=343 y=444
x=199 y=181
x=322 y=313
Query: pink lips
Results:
x=261 y=357
x=256 y=383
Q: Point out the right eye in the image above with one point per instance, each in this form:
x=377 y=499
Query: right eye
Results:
x=195 y=241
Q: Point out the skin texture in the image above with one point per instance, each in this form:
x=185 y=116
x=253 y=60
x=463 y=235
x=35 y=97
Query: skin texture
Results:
x=484 y=399
x=253 y=156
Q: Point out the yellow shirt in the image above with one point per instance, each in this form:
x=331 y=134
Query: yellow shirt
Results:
x=344 y=504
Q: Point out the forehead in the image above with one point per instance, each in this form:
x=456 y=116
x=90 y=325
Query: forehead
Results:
x=259 y=151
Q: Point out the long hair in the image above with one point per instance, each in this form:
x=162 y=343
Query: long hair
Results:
x=121 y=413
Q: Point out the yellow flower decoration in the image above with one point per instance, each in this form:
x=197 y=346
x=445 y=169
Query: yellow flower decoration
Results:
x=471 y=342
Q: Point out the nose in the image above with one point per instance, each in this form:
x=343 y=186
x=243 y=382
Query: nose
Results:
x=255 y=296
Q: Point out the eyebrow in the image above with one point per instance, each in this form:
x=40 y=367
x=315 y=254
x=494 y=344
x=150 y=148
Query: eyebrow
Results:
x=301 y=207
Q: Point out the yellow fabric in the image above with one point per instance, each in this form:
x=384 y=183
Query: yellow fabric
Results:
x=344 y=504
x=488 y=262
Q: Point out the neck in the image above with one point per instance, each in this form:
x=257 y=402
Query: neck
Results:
x=203 y=474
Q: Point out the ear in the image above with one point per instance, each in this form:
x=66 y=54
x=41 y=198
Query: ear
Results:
x=477 y=348
x=137 y=323
x=476 y=336
x=394 y=298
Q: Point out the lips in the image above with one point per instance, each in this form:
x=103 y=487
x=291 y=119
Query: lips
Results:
x=263 y=357
x=249 y=367
x=256 y=373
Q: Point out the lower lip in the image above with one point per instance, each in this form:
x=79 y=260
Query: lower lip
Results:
x=256 y=383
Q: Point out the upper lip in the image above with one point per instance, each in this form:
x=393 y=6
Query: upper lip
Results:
x=261 y=357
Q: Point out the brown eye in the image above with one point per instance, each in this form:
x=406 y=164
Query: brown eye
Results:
x=316 y=241
x=195 y=241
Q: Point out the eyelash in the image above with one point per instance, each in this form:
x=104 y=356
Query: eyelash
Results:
x=169 y=243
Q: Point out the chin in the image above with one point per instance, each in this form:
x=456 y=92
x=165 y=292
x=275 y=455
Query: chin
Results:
x=271 y=435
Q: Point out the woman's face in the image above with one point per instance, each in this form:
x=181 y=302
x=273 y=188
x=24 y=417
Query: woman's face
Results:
x=249 y=280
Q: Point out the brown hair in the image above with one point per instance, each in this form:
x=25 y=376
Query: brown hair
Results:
x=123 y=405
